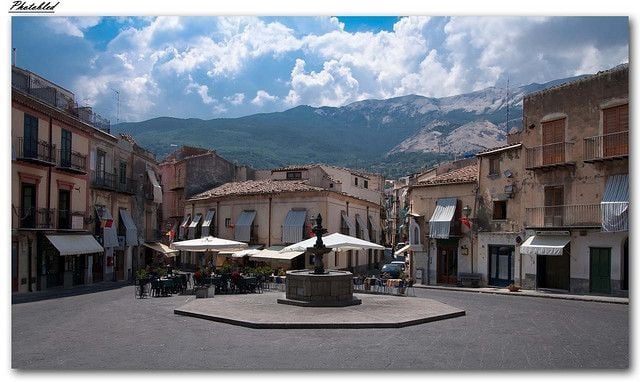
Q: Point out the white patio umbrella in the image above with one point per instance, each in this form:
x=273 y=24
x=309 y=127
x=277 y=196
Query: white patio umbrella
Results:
x=336 y=241
x=208 y=244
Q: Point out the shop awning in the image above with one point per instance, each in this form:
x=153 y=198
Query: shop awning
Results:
x=164 y=249
x=402 y=250
x=242 y=231
x=440 y=222
x=363 y=227
x=157 y=190
x=546 y=245
x=183 y=226
x=109 y=237
x=352 y=229
x=615 y=204
x=75 y=244
x=206 y=223
x=193 y=226
x=293 y=227
x=267 y=255
x=131 y=230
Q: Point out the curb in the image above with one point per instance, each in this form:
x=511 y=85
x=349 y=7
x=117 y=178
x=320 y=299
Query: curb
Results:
x=602 y=299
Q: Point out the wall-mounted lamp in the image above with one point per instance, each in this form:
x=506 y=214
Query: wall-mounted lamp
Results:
x=466 y=211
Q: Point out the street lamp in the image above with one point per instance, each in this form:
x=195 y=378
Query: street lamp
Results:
x=466 y=211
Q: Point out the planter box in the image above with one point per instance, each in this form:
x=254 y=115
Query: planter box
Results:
x=205 y=292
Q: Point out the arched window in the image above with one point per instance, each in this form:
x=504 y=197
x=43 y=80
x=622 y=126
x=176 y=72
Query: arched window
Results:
x=414 y=232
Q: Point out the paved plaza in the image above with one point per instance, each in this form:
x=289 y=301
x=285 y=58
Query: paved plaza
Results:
x=110 y=329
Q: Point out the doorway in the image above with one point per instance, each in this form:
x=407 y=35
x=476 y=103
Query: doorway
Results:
x=600 y=270
x=447 y=264
x=553 y=271
x=119 y=265
x=501 y=264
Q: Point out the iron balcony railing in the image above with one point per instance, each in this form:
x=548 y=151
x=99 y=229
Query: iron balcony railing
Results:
x=126 y=185
x=41 y=151
x=29 y=217
x=56 y=96
x=64 y=218
x=552 y=154
x=606 y=146
x=72 y=160
x=579 y=215
x=103 y=180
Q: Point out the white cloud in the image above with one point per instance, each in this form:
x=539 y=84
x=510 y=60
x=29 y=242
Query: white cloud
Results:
x=202 y=90
x=72 y=26
x=333 y=86
x=263 y=97
x=236 y=99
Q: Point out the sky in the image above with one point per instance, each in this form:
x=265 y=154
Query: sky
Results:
x=137 y=68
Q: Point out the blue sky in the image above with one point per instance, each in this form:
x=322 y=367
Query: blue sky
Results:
x=213 y=66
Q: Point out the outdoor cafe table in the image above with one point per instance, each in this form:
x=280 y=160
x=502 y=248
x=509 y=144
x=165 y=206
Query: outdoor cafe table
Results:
x=166 y=286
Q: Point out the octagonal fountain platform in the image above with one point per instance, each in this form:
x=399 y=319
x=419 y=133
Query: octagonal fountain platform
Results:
x=330 y=289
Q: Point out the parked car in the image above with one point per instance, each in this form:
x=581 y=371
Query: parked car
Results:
x=402 y=264
x=394 y=270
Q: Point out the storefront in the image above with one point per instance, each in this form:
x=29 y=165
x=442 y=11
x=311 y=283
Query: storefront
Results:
x=66 y=260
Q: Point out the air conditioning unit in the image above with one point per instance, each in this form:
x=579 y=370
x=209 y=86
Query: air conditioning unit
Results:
x=509 y=190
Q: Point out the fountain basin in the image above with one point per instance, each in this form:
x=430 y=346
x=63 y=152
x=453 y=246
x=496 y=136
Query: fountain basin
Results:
x=330 y=289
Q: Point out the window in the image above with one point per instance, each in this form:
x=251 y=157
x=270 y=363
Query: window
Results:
x=615 y=127
x=366 y=184
x=65 y=148
x=227 y=222
x=330 y=185
x=294 y=175
x=100 y=163
x=30 y=144
x=494 y=165
x=553 y=142
x=64 y=205
x=500 y=210
x=123 y=173
x=356 y=181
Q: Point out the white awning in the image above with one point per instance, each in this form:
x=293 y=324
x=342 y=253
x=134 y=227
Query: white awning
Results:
x=242 y=231
x=157 y=190
x=402 y=250
x=267 y=254
x=363 y=228
x=547 y=245
x=293 y=227
x=131 y=230
x=352 y=229
x=206 y=224
x=440 y=222
x=109 y=237
x=183 y=226
x=75 y=244
x=615 y=204
x=245 y=252
x=159 y=247
x=192 y=227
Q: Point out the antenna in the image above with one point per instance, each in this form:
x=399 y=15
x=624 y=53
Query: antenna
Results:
x=117 y=93
x=507 y=127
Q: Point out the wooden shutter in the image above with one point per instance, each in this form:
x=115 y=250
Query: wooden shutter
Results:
x=615 y=127
x=553 y=142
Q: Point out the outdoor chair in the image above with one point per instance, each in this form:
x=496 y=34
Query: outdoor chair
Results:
x=155 y=288
x=142 y=288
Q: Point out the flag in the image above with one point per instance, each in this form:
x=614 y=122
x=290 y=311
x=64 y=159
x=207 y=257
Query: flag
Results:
x=466 y=222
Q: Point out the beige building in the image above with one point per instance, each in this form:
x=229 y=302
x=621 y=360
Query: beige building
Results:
x=440 y=246
x=575 y=191
x=50 y=135
x=275 y=213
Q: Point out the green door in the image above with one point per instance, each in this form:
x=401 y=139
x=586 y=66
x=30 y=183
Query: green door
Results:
x=600 y=270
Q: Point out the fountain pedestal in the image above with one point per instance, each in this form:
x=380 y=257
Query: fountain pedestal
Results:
x=331 y=289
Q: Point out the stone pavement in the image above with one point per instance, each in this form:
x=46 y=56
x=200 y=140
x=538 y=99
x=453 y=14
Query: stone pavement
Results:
x=260 y=311
x=531 y=293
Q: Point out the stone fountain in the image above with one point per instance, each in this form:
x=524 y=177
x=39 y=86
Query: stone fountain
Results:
x=319 y=287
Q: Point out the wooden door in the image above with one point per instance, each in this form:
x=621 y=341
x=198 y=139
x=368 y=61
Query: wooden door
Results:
x=600 y=270
x=28 y=203
x=615 y=127
x=554 y=206
x=553 y=142
x=447 y=268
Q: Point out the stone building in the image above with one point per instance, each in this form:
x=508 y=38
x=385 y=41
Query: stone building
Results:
x=575 y=191
x=440 y=245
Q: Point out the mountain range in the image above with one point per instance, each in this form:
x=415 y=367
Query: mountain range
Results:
x=395 y=136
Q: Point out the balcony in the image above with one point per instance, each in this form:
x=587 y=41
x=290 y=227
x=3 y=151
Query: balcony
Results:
x=35 y=218
x=606 y=147
x=72 y=161
x=548 y=156
x=65 y=220
x=103 y=180
x=129 y=186
x=36 y=151
x=580 y=215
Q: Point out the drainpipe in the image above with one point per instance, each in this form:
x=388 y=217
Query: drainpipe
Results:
x=269 y=237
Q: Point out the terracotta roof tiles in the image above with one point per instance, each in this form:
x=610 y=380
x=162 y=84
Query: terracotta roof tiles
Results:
x=257 y=187
x=467 y=174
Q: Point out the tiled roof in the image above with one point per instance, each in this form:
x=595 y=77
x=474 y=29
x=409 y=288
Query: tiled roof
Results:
x=257 y=187
x=301 y=167
x=498 y=149
x=467 y=174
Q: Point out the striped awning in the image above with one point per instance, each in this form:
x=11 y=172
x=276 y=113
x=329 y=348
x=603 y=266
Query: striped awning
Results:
x=363 y=228
x=69 y=245
x=615 y=204
x=293 y=227
x=242 y=230
x=206 y=223
x=440 y=222
x=131 y=230
x=545 y=245
x=352 y=229
x=193 y=226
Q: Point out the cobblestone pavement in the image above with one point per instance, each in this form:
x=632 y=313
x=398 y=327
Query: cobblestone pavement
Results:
x=110 y=329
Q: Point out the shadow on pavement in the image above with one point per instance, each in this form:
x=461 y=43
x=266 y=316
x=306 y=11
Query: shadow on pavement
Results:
x=67 y=292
